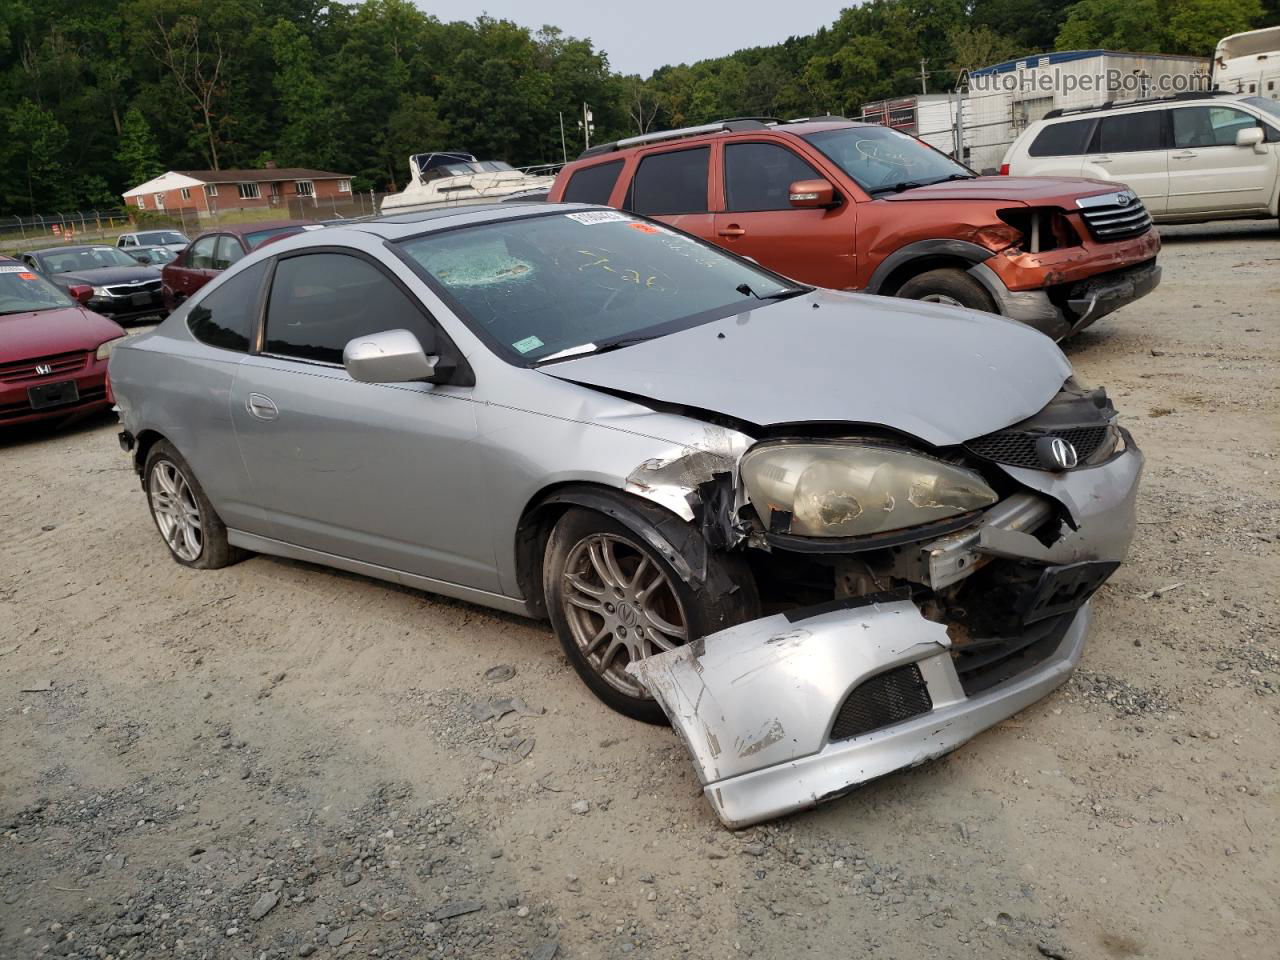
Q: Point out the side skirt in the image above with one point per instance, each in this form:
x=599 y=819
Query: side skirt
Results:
x=278 y=548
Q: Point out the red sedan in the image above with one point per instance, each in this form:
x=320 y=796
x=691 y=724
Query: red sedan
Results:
x=53 y=352
x=212 y=252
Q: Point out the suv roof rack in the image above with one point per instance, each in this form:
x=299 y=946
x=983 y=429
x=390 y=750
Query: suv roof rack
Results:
x=728 y=125
x=1115 y=104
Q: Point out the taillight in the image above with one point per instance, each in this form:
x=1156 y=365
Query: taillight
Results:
x=1004 y=169
x=111 y=397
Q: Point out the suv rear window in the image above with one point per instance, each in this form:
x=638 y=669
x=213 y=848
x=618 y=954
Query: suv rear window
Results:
x=1131 y=132
x=593 y=184
x=1068 y=139
x=668 y=183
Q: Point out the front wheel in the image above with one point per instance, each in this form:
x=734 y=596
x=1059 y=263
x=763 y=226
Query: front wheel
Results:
x=612 y=599
x=950 y=286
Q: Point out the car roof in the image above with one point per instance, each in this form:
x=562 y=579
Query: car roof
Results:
x=1137 y=106
x=72 y=247
x=402 y=225
x=240 y=229
x=745 y=127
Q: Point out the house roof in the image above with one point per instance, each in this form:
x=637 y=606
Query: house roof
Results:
x=163 y=183
x=261 y=176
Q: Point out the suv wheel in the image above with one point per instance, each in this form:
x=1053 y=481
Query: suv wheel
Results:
x=612 y=599
x=950 y=286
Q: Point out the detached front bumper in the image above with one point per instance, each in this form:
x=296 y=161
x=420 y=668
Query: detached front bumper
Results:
x=784 y=712
x=758 y=705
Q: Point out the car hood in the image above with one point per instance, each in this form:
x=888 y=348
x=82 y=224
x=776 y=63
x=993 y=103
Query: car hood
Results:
x=103 y=276
x=941 y=374
x=42 y=333
x=1052 y=191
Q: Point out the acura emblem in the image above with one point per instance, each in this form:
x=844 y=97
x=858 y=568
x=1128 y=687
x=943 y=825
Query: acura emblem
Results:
x=43 y=369
x=1054 y=453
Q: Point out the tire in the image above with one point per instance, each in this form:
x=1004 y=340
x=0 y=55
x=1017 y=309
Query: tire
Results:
x=192 y=530
x=949 y=285
x=631 y=612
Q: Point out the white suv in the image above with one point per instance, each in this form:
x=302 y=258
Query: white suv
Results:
x=1190 y=158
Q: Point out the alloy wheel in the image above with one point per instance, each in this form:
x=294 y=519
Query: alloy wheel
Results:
x=620 y=607
x=177 y=513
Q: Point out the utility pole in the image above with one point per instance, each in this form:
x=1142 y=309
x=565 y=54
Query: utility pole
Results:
x=924 y=77
x=564 y=150
x=586 y=125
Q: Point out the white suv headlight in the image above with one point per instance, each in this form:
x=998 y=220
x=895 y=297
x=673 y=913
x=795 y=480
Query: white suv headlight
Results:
x=850 y=489
x=104 y=349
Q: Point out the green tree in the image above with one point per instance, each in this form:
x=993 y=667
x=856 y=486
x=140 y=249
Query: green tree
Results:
x=138 y=155
x=35 y=142
x=307 y=136
x=1196 y=26
x=1137 y=25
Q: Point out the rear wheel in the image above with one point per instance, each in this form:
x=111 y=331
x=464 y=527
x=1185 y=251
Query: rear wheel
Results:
x=188 y=524
x=950 y=286
x=612 y=599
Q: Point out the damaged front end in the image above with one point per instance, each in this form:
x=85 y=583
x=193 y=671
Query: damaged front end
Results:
x=950 y=591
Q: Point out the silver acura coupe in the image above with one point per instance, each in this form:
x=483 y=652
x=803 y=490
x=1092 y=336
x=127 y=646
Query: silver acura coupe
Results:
x=825 y=535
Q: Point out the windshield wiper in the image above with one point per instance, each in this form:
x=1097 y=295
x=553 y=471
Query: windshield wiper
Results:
x=787 y=293
x=902 y=185
x=591 y=349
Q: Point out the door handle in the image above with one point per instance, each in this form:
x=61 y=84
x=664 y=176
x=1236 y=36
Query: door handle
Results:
x=1099 y=159
x=732 y=230
x=1184 y=155
x=261 y=407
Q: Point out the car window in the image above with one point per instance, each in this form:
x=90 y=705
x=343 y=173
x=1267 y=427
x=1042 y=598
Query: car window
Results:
x=128 y=242
x=225 y=316
x=669 y=183
x=758 y=176
x=881 y=160
x=85 y=258
x=1209 y=126
x=1131 y=132
x=593 y=184
x=201 y=255
x=536 y=286
x=259 y=237
x=161 y=236
x=321 y=301
x=228 y=252
x=1068 y=139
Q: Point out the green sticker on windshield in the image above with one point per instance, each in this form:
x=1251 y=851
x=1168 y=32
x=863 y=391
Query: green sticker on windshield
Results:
x=527 y=344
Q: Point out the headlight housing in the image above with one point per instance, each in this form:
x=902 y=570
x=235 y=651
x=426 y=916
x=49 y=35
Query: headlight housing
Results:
x=104 y=349
x=852 y=488
x=100 y=292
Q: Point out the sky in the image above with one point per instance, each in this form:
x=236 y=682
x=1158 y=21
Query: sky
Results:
x=641 y=35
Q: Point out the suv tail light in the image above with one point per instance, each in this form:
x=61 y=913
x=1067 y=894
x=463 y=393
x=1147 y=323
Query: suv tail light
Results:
x=1004 y=169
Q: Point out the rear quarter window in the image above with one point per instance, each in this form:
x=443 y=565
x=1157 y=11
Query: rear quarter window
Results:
x=1070 y=139
x=593 y=184
x=226 y=316
x=1131 y=133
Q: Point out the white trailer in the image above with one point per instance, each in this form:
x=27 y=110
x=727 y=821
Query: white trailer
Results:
x=1249 y=63
x=930 y=117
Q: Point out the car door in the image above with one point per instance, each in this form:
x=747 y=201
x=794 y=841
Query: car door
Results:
x=384 y=474
x=674 y=186
x=1208 y=173
x=812 y=245
x=193 y=269
x=1133 y=149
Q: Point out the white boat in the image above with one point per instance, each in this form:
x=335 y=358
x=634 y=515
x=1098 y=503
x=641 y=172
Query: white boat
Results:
x=453 y=178
x=1249 y=63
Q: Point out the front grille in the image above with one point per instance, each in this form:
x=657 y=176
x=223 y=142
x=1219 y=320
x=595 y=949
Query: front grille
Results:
x=1116 y=221
x=1017 y=448
x=21 y=371
x=129 y=289
x=887 y=698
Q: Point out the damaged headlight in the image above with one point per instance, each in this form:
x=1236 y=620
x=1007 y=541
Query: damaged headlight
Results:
x=850 y=489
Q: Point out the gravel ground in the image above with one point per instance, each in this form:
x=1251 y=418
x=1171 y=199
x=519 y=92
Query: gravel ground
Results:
x=278 y=760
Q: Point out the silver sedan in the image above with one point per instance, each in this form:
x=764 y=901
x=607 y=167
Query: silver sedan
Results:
x=825 y=535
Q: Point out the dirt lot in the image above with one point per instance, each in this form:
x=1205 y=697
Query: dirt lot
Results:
x=275 y=760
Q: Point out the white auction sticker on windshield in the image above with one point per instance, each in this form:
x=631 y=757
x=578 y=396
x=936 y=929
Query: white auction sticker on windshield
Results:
x=592 y=217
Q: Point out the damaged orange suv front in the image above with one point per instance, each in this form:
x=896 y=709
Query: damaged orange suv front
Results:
x=855 y=206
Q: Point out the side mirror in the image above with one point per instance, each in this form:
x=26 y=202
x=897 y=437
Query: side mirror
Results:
x=1251 y=137
x=392 y=356
x=812 y=193
x=80 y=292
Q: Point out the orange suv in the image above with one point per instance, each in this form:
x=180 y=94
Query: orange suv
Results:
x=855 y=206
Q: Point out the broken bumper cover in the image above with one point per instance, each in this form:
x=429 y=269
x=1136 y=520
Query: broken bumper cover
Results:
x=784 y=712
x=1085 y=302
x=797 y=676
